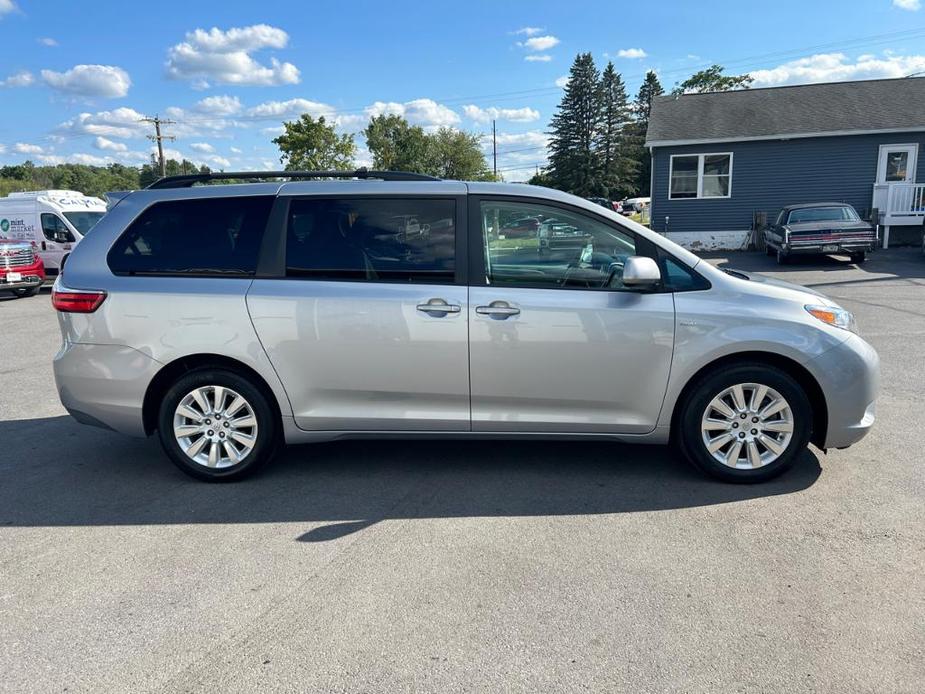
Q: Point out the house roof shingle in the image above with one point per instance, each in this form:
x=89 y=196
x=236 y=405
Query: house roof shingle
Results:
x=797 y=111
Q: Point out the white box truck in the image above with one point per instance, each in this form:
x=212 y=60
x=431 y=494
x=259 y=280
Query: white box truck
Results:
x=54 y=221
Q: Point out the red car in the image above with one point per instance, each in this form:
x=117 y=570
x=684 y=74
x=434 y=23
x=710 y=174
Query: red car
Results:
x=21 y=270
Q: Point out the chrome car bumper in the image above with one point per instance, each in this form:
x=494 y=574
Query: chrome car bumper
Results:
x=27 y=282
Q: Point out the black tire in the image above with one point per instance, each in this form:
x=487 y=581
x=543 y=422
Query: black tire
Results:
x=31 y=291
x=781 y=257
x=858 y=258
x=690 y=435
x=267 y=430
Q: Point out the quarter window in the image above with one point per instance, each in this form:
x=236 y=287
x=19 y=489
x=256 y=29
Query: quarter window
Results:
x=536 y=245
x=700 y=176
x=214 y=236
x=374 y=239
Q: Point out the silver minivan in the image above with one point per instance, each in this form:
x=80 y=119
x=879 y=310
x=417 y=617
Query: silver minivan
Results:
x=233 y=318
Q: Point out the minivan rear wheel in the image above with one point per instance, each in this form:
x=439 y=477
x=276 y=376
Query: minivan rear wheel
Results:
x=747 y=423
x=217 y=426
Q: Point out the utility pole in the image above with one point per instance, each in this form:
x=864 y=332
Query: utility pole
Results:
x=159 y=139
x=494 y=147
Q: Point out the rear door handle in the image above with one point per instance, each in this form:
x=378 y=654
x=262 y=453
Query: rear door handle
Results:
x=497 y=309
x=438 y=306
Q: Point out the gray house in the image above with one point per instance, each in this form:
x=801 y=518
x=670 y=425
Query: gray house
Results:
x=720 y=158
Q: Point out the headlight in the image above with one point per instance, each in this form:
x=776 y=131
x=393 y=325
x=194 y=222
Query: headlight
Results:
x=833 y=315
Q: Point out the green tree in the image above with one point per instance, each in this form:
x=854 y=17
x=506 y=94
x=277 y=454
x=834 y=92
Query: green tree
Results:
x=313 y=145
x=611 y=144
x=396 y=145
x=573 y=162
x=457 y=155
x=712 y=80
x=639 y=128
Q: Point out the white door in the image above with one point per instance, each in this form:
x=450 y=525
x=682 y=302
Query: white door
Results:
x=897 y=163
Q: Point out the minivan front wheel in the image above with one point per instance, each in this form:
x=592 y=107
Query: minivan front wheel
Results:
x=747 y=423
x=217 y=426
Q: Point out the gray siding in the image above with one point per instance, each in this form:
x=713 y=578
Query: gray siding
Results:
x=768 y=174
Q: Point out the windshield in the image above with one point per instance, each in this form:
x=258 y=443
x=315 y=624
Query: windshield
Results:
x=83 y=220
x=823 y=214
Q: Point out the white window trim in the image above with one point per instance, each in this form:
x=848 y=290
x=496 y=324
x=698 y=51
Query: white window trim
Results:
x=700 y=158
x=912 y=163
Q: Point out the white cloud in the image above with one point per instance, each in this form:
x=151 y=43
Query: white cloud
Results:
x=540 y=43
x=217 y=160
x=7 y=6
x=26 y=148
x=203 y=147
x=273 y=130
x=291 y=108
x=107 y=144
x=837 y=67
x=235 y=150
x=224 y=57
x=47 y=41
x=23 y=78
x=517 y=115
x=538 y=58
x=531 y=138
x=911 y=5
x=106 y=81
x=121 y=122
x=631 y=53
x=529 y=31
x=562 y=82
x=219 y=105
x=425 y=112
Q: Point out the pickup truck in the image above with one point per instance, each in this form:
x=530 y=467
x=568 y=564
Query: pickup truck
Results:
x=820 y=228
x=21 y=269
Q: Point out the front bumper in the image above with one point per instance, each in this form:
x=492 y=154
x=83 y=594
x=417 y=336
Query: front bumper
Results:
x=849 y=376
x=29 y=280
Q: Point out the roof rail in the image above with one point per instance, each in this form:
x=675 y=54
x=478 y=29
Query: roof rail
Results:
x=188 y=180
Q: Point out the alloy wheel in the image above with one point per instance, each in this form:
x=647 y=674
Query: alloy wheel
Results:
x=215 y=427
x=747 y=426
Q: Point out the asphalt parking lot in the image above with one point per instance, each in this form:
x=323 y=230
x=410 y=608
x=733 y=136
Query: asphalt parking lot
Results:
x=473 y=566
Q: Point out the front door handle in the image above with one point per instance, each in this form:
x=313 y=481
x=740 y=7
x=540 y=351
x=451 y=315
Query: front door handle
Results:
x=498 y=309
x=438 y=307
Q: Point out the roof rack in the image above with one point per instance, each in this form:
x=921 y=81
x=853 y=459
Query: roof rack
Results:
x=188 y=180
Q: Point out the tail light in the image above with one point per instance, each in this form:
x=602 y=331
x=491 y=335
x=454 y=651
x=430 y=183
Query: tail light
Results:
x=76 y=300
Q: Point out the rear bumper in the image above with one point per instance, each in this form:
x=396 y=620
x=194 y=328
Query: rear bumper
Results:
x=104 y=385
x=794 y=248
x=849 y=375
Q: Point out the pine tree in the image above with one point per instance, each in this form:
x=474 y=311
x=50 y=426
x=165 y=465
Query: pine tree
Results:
x=637 y=130
x=573 y=164
x=617 y=168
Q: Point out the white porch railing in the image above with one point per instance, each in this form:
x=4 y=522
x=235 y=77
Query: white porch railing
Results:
x=899 y=204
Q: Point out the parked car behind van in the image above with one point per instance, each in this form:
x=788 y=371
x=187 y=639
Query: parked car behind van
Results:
x=818 y=229
x=231 y=318
x=54 y=221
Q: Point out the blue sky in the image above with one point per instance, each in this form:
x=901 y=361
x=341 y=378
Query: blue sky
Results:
x=75 y=78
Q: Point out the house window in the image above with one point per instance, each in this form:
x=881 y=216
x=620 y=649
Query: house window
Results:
x=701 y=176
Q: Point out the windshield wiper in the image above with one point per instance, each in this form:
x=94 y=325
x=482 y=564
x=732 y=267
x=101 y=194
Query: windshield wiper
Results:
x=736 y=273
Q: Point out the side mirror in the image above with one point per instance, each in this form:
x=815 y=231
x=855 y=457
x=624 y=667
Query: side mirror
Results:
x=639 y=271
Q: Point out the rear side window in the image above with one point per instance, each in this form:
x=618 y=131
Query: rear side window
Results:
x=373 y=240
x=198 y=237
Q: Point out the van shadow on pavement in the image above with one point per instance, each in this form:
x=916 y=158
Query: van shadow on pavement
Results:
x=57 y=473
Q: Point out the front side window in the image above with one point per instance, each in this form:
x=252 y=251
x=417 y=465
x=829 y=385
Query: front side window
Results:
x=54 y=228
x=530 y=244
x=700 y=176
x=823 y=214
x=83 y=220
x=214 y=236
x=372 y=239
